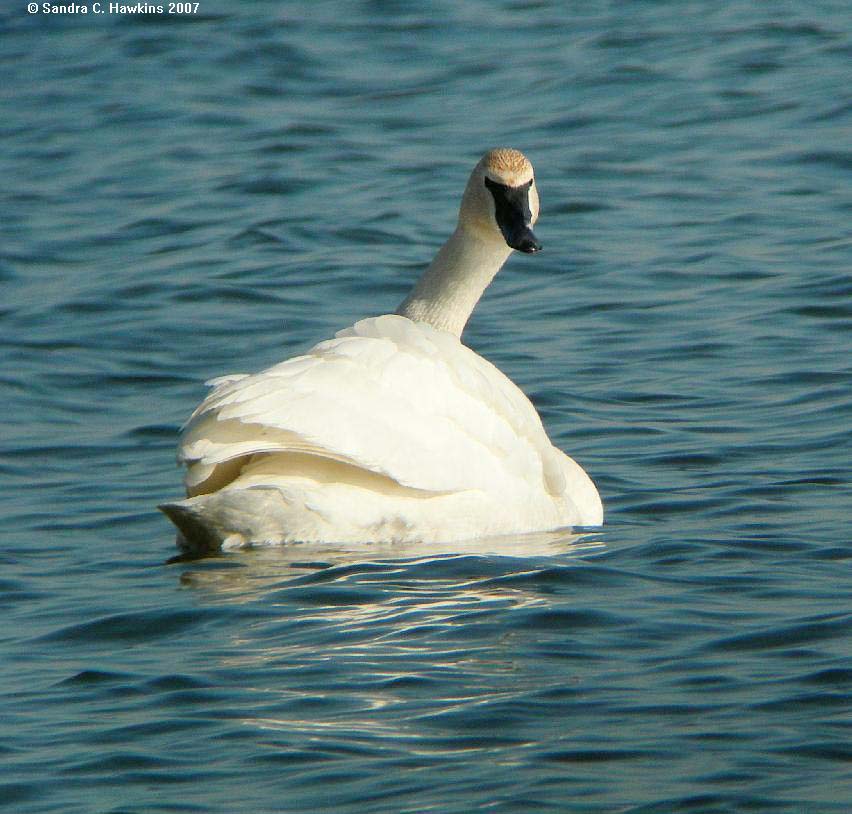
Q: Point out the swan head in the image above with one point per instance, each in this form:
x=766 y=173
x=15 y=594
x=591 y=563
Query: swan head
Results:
x=501 y=200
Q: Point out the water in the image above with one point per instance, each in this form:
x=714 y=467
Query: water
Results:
x=190 y=196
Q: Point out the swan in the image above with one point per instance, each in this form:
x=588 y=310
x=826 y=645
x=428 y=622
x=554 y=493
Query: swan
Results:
x=392 y=431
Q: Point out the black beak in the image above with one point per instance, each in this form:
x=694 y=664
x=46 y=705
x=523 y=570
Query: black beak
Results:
x=524 y=240
x=512 y=210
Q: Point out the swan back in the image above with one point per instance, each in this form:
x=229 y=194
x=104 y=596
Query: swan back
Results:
x=387 y=396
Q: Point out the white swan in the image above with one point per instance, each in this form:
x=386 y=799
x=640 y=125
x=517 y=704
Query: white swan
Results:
x=393 y=430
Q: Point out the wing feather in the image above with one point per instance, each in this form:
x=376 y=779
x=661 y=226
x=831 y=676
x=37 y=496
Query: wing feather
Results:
x=388 y=395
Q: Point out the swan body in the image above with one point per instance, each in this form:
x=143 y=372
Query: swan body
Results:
x=393 y=431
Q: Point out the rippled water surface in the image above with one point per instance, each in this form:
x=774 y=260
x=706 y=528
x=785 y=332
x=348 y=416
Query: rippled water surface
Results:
x=187 y=196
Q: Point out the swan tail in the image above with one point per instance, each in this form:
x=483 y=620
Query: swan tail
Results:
x=194 y=534
x=231 y=518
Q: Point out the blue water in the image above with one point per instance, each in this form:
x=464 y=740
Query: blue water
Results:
x=188 y=196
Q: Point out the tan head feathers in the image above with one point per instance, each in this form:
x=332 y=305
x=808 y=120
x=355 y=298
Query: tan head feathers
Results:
x=507 y=166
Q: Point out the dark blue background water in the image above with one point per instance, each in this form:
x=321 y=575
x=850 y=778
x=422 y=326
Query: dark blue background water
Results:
x=187 y=196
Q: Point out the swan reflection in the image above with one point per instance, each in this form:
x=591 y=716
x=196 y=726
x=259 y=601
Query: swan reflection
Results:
x=250 y=573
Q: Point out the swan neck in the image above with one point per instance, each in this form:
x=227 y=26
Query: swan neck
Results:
x=449 y=289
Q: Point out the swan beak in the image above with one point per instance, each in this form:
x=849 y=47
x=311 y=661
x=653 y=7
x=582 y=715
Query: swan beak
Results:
x=512 y=212
x=524 y=240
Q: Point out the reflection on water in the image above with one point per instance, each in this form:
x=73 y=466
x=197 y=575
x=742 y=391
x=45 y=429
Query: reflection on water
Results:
x=242 y=576
x=357 y=637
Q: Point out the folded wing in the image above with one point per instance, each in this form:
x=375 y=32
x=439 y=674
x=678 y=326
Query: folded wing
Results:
x=389 y=397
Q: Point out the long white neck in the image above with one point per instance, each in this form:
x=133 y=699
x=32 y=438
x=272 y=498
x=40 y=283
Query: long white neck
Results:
x=449 y=289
